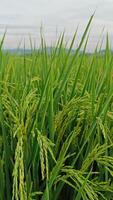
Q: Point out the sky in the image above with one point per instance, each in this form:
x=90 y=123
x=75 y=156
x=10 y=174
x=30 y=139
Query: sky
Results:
x=24 y=18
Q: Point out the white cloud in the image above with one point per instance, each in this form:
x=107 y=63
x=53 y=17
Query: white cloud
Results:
x=27 y=14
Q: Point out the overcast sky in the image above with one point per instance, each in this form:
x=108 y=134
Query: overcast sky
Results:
x=24 y=17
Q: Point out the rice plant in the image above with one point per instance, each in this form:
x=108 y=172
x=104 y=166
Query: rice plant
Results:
x=56 y=122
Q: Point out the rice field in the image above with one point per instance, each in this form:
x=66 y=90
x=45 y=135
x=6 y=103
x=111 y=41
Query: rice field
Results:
x=56 y=123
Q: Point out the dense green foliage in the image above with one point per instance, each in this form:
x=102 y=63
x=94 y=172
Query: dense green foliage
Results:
x=56 y=123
